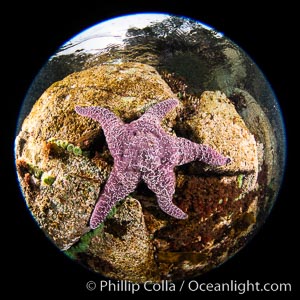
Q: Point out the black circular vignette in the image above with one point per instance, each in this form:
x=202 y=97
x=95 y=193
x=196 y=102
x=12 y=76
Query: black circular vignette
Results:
x=34 y=263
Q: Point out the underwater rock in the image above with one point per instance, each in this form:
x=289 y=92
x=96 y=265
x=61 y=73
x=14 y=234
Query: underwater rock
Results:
x=64 y=208
x=217 y=124
x=257 y=121
x=123 y=249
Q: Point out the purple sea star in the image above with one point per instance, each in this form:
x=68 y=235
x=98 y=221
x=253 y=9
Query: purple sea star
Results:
x=143 y=150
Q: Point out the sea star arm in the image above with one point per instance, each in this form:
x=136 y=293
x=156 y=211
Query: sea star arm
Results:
x=110 y=123
x=117 y=187
x=159 y=110
x=162 y=182
x=189 y=151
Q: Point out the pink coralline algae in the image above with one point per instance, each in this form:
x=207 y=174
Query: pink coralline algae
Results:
x=142 y=150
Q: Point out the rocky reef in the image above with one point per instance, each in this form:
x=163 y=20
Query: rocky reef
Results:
x=63 y=163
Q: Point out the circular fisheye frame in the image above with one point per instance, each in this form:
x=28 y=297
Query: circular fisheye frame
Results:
x=145 y=148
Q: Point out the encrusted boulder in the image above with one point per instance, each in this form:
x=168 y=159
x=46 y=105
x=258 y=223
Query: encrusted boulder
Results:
x=124 y=249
